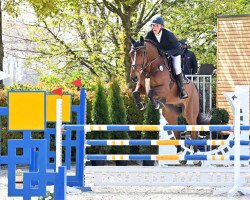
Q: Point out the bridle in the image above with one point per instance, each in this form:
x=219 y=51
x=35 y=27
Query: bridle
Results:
x=145 y=63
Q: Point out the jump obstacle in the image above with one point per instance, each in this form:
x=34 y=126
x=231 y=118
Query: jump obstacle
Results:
x=122 y=175
x=108 y=177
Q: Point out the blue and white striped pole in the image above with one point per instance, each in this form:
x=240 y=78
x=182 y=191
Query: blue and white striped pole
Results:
x=110 y=127
x=163 y=142
x=163 y=157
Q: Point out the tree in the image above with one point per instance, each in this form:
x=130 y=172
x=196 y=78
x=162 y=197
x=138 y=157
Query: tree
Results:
x=197 y=21
x=117 y=114
x=42 y=8
x=91 y=37
x=77 y=41
x=1 y=44
x=134 y=14
x=99 y=116
x=134 y=116
x=151 y=117
x=103 y=53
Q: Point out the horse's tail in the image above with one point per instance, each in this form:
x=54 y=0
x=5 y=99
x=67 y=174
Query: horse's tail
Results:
x=204 y=118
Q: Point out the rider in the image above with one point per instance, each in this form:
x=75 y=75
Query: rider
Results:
x=188 y=59
x=169 y=44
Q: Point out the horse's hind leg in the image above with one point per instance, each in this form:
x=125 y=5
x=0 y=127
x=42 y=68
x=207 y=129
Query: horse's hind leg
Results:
x=191 y=115
x=157 y=104
x=171 y=114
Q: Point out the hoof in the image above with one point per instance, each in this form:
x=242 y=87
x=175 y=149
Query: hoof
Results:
x=157 y=105
x=197 y=162
x=140 y=106
x=183 y=162
x=161 y=105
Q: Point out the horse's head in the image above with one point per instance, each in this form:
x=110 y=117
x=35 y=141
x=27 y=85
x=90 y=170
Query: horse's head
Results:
x=138 y=56
x=144 y=57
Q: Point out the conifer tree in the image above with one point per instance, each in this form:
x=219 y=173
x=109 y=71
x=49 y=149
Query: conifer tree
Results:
x=151 y=117
x=99 y=115
x=117 y=116
x=134 y=116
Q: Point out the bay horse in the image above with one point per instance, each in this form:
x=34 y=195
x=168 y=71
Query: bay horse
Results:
x=152 y=72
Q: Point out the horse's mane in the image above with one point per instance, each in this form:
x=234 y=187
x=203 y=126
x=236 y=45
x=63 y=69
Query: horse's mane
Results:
x=152 y=42
x=155 y=45
x=138 y=44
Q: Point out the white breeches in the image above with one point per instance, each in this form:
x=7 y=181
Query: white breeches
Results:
x=177 y=64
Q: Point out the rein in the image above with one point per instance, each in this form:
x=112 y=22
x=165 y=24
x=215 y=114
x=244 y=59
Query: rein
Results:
x=147 y=75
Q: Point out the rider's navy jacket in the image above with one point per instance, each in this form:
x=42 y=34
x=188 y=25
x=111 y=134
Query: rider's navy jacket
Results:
x=188 y=62
x=168 y=43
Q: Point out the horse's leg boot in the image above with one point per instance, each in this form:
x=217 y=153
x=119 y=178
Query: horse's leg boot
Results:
x=182 y=93
x=139 y=104
x=161 y=104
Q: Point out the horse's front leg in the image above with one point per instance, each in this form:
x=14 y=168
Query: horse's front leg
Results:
x=137 y=96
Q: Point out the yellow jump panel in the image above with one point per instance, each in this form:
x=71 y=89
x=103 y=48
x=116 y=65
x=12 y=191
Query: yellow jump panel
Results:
x=51 y=108
x=26 y=110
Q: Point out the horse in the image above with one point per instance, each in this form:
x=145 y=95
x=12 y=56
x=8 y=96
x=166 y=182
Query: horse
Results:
x=153 y=75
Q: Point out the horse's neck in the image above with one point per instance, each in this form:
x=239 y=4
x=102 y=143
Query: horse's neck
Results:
x=152 y=52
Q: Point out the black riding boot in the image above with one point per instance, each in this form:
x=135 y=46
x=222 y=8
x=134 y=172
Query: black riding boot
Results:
x=182 y=93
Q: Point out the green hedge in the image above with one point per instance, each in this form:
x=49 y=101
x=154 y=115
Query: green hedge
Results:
x=219 y=116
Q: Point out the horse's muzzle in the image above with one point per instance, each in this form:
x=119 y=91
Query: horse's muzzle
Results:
x=134 y=79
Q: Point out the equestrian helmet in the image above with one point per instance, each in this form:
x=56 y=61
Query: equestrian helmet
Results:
x=157 y=20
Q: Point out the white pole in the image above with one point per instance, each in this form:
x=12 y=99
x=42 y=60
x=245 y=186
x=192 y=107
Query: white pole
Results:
x=235 y=102
x=58 y=133
x=236 y=146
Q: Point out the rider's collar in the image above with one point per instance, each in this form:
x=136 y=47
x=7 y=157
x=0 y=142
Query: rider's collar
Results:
x=158 y=36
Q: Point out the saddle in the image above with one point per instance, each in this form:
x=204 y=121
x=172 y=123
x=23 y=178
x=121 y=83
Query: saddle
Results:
x=173 y=76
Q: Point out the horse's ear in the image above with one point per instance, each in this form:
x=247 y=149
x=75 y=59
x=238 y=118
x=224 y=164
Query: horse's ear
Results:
x=142 y=39
x=132 y=40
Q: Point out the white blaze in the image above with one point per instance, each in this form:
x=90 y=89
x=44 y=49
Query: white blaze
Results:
x=147 y=84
